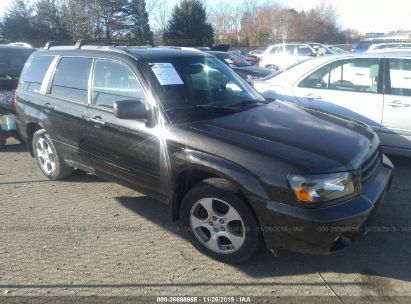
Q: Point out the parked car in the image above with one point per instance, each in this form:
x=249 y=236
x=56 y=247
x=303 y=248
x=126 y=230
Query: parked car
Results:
x=321 y=49
x=242 y=67
x=373 y=88
x=338 y=50
x=256 y=53
x=184 y=128
x=361 y=46
x=12 y=59
x=24 y=44
x=253 y=60
x=391 y=46
x=279 y=56
x=376 y=44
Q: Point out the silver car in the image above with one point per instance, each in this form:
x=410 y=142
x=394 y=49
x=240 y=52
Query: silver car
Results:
x=373 y=88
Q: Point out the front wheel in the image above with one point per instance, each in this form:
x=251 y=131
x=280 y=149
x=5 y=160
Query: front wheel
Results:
x=48 y=160
x=220 y=222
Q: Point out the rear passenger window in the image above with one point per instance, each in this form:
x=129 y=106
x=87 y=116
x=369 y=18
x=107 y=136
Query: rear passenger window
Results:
x=34 y=72
x=114 y=81
x=400 y=76
x=71 y=79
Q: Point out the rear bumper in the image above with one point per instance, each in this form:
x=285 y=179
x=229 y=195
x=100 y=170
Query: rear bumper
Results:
x=323 y=230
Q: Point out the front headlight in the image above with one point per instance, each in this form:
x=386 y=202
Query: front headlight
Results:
x=321 y=187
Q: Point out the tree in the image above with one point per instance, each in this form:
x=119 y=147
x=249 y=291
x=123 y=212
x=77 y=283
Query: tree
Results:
x=226 y=21
x=188 y=25
x=140 y=31
x=80 y=19
x=109 y=16
x=47 y=22
x=17 y=23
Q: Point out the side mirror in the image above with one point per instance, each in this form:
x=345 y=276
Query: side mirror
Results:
x=130 y=109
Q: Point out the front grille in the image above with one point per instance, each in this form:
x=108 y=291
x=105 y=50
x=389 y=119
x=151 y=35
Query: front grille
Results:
x=371 y=164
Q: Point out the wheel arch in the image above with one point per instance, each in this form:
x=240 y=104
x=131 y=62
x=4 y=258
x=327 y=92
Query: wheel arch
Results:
x=31 y=128
x=204 y=166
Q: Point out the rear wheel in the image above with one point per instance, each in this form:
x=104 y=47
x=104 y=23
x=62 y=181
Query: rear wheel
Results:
x=48 y=160
x=220 y=222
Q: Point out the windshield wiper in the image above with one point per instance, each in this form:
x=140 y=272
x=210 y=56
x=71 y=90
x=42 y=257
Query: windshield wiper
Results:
x=201 y=106
x=245 y=103
x=230 y=106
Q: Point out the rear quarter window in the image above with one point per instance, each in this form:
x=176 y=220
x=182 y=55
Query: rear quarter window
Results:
x=34 y=72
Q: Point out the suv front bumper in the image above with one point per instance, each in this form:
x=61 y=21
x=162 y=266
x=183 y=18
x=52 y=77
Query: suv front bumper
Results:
x=323 y=230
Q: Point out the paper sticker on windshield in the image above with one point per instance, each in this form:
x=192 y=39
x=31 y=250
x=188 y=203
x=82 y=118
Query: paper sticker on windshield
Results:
x=166 y=74
x=228 y=60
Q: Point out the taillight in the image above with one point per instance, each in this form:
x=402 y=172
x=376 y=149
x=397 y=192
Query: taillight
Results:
x=13 y=103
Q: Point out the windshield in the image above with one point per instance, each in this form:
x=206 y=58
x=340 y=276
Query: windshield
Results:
x=322 y=49
x=363 y=45
x=12 y=62
x=187 y=83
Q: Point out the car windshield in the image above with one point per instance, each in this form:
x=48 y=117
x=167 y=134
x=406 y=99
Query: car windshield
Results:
x=12 y=62
x=363 y=45
x=322 y=49
x=198 y=82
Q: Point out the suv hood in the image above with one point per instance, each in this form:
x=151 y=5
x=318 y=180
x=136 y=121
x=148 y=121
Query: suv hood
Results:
x=313 y=141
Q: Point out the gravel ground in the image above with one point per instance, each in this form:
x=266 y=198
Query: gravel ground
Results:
x=86 y=236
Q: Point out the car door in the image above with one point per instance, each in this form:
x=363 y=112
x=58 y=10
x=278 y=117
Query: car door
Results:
x=396 y=124
x=349 y=87
x=128 y=150
x=65 y=103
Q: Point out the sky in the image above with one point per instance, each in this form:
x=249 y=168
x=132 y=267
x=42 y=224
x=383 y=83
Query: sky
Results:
x=363 y=15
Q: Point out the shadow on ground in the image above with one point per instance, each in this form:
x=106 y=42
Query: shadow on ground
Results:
x=383 y=252
x=14 y=147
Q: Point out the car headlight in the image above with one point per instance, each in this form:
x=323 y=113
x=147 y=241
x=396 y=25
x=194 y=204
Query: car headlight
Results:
x=321 y=187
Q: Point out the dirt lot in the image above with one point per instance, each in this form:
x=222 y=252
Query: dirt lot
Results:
x=86 y=236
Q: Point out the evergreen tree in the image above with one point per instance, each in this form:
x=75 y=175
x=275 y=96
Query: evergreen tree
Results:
x=17 y=23
x=110 y=16
x=188 y=25
x=140 y=31
x=47 y=22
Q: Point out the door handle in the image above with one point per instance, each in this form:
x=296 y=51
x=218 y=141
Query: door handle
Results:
x=48 y=107
x=312 y=96
x=96 y=120
x=398 y=104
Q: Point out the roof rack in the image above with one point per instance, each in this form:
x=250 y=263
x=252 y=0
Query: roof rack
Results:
x=50 y=44
x=93 y=42
x=107 y=42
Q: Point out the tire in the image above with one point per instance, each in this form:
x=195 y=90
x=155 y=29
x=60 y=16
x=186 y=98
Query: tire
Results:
x=3 y=138
x=49 y=161
x=229 y=219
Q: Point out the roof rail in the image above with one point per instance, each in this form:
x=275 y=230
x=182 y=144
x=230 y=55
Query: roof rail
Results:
x=50 y=44
x=106 y=42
